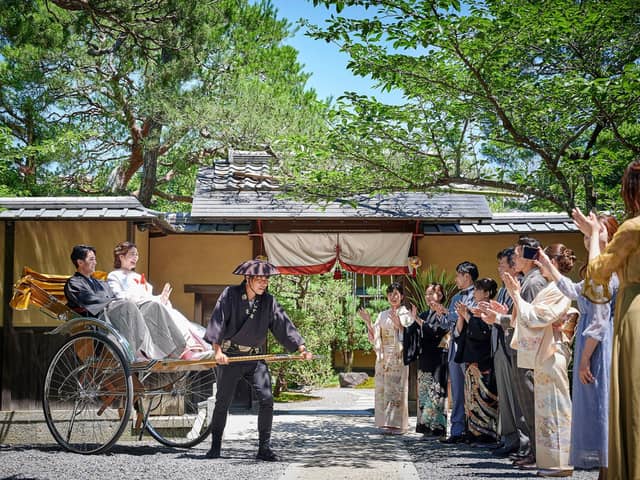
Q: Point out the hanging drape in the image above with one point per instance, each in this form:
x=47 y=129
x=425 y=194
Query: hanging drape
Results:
x=314 y=253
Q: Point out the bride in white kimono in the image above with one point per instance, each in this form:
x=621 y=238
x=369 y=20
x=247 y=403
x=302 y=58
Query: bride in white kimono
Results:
x=542 y=346
x=127 y=284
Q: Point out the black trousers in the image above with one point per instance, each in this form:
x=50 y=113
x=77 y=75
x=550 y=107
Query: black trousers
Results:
x=257 y=374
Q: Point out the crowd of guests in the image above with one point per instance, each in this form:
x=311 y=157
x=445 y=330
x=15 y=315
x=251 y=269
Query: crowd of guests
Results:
x=504 y=353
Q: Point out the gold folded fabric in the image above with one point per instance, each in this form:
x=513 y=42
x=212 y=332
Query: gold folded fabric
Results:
x=44 y=290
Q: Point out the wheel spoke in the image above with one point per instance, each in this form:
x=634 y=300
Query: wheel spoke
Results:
x=179 y=406
x=88 y=393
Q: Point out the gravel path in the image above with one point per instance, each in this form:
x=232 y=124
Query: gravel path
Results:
x=327 y=439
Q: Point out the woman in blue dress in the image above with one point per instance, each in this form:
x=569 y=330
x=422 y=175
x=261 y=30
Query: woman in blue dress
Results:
x=591 y=366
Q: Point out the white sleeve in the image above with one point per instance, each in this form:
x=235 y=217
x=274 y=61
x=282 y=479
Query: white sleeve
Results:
x=116 y=281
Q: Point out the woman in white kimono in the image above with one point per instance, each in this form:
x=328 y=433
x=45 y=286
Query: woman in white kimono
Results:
x=392 y=375
x=542 y=346
x=127 y=284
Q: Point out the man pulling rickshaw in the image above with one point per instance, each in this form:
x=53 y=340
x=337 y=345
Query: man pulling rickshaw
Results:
x=239 y=325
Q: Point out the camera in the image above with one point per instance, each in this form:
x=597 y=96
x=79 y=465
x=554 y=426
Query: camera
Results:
x=530 y=253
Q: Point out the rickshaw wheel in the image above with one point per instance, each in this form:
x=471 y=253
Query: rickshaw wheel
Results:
x=178 y=406
x=88 y=393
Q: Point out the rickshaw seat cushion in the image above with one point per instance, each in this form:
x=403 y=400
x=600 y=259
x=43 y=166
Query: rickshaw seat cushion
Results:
x=46 y=291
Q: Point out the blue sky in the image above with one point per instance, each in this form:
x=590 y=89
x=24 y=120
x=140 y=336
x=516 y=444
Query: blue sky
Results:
x=326 y=64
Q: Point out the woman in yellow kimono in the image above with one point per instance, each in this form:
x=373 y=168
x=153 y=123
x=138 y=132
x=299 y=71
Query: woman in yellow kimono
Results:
x=541 y=346
x=621 y=256
x=392 y=375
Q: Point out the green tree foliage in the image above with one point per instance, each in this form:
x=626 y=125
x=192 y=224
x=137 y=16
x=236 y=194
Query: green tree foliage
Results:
x=132 y=96
x=323 y=310
x=537 y=99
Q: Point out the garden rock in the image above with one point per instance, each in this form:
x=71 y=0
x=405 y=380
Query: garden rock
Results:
x=352 y=379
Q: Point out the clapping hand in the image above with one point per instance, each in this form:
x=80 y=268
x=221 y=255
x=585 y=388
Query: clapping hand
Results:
x=364 y=315
x=486 y=313
x=498 y=307
x=511 y=284
x=395 y=318
x=588 y=225
x=462 y=310
x=543 y=262
x=438 y=308
x=414 y=315
x=166 y=292
x=490 y=310
x=475 y=311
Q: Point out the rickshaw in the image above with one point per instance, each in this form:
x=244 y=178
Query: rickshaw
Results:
x=93 y=383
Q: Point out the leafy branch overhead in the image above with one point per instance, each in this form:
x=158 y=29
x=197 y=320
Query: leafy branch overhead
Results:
x=132 y=96
x=539 y=99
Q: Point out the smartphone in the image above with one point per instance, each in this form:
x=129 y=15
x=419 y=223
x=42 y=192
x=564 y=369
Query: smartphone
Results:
x=529 y=253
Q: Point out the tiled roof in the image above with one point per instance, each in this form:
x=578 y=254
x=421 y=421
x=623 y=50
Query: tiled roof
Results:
x=245 y=191
x=512 y=222
x=71 y=208
x=182 y=222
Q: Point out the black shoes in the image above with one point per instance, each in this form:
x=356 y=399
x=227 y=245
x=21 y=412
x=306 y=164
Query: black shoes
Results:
x=423 y=429
x=505 y=451
x=453 y=439
x=430 y=432
x=213 y=453
x=267 y=455
x=482 y=441
x=216 y=444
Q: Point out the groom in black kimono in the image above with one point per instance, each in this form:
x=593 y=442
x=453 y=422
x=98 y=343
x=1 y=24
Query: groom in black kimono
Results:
x=239 y=324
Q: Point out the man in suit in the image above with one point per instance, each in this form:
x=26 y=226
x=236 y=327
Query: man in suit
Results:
x=466 y=275
x=509 y=415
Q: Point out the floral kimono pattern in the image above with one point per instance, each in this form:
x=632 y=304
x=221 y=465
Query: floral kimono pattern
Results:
x=391 y=375
x=544 y=350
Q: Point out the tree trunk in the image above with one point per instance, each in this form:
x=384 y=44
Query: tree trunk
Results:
x=150 y=164
x=348 y=361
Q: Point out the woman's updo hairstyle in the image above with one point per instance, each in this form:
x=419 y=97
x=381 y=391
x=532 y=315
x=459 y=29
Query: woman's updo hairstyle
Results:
x=121 y=249
x=488 y=285
x=564 y=257
x=396 y=286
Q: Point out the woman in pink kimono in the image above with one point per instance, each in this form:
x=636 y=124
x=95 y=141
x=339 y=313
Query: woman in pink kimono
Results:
x=392 y=375
x=542 y=346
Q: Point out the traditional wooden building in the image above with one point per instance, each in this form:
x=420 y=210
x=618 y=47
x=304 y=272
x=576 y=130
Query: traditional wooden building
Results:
x=238 y=213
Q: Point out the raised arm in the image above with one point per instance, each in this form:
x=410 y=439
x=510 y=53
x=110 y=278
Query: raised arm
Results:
x=624 y=245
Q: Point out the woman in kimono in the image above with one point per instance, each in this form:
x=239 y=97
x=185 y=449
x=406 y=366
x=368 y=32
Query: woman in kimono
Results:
x=427 y=335
x=541 y=346
x=621 y=256
x=474 y=350
x=391 y=374
x=592 y=363
x=127 y=284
